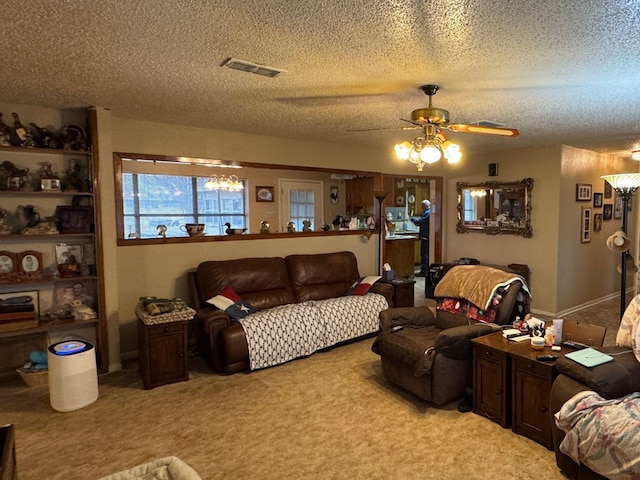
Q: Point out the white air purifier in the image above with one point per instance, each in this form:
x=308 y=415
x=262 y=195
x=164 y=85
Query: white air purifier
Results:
x=73 y=375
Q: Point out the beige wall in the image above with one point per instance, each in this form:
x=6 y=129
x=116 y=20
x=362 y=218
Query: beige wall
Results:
x=565 y=273
x=160 y=269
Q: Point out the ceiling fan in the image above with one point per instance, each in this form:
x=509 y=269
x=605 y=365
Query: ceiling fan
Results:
x=439 y=119
x=433 y=144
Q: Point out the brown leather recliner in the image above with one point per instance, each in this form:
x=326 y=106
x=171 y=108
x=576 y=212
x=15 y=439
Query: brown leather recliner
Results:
x=430 y=356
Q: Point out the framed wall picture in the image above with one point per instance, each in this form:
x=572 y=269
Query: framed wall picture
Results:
x=333 y=194
x=608 y=191
x=585 y=234
x=617 y=207
x=583 y=192
x=607 y=211
x=597 y=200
x=597 y=222
x=264 y=194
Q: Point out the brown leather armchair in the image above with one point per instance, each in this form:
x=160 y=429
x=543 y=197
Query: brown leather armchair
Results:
x=430 y=356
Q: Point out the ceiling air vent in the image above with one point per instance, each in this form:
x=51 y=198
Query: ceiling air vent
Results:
x=250 y=67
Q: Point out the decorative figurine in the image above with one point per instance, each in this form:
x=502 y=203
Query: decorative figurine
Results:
x=162 y=230
x=265 y=227
x=325 y=227
x=306 y=225
x=291 y=227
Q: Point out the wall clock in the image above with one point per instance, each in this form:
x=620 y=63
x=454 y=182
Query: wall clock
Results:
x=30 y=264
x=8 y=264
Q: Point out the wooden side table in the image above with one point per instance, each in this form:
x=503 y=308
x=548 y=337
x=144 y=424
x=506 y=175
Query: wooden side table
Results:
x=511 y=387
x=531 y=380
x=403 y=291
x=163 y=353
x=492 y=378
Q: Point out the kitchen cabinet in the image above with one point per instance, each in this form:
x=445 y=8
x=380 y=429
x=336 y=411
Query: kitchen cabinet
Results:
x=359 y=196
x=399 y=253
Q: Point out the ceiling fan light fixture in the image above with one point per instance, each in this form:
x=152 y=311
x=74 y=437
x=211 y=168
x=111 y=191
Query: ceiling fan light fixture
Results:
x=635 y=155
x=451 y=152
x=403 y=150
x=430 y=154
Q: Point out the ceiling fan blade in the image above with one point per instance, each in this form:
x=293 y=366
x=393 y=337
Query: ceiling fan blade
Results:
x=381 y=128
x=505 y=132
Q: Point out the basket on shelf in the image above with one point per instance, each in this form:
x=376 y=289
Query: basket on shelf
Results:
x=34 y=378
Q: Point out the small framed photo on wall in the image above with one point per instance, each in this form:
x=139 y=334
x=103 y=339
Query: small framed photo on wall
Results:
x=597 y=222
x=608 y=191
x=264 y=194
x=607 y=211
x=585 y=235
x=597 y=200
x=583 y=192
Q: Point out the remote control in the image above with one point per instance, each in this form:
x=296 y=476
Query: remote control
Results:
x=546 y=357
x=577 y=345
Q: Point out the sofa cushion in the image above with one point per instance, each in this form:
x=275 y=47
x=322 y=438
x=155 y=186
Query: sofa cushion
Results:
x=323 y=275
x=230 y=303
x=363 y=285
x=263 y=282
x=610 y=380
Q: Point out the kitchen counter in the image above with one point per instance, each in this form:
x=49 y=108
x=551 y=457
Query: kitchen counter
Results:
x=399 y=253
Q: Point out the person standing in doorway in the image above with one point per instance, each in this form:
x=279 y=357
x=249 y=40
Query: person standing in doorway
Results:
x=423 y=223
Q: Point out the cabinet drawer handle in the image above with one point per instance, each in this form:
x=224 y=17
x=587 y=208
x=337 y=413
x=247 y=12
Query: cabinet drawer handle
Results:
x=166 y=329
x=487 y=352
x=531 y=365
x=498 y=392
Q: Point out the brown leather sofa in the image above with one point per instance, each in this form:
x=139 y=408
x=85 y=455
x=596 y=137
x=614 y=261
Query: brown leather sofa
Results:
x=264 y=283
x=615 y=379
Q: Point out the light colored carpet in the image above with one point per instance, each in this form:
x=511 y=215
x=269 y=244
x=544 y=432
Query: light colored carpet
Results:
x=328 y=416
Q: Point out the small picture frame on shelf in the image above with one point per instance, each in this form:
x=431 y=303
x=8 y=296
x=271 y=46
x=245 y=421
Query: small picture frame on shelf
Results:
x=70 y=259
x=29 y=264
x=82 y=290
x=50 y=184
x=73 y=219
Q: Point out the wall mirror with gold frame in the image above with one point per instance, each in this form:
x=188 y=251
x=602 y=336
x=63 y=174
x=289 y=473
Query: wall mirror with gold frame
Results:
x=495 y=208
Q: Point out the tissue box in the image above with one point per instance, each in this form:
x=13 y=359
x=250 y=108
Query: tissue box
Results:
x=388 y=275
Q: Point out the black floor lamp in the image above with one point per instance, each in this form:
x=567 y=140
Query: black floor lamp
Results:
x=624 y=184
x=380 y=196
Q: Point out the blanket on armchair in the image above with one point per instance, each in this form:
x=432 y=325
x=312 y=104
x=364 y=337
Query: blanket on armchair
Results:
x=476 y=283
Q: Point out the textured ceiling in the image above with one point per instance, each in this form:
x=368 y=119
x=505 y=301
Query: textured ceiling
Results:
x=559 y=71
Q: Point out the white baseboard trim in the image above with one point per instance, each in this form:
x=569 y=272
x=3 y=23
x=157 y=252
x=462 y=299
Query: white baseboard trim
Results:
x=582 y=306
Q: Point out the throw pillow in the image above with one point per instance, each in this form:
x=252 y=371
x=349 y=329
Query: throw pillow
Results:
x=230 y=303
x=363 y=285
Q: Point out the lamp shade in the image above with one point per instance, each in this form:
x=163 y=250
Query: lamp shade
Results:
x=624 y=182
